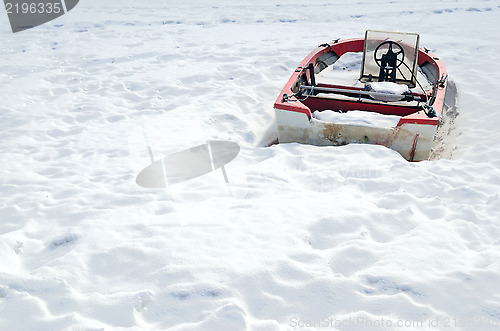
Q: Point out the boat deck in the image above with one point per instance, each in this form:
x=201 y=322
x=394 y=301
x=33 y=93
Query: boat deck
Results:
x=345 y=73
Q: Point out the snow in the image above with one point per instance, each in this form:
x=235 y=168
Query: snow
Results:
x=351 y=236
x=356 y=117
x=346 y=71
x=389 y=88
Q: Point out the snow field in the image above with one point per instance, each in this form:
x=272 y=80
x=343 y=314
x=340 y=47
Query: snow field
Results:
x=302 y=233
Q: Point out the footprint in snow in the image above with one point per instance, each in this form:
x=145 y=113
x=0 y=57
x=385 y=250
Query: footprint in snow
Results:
x=379 y=285
x=143 y=300
x=63 y=240
x=3 y=292
x=18 y=247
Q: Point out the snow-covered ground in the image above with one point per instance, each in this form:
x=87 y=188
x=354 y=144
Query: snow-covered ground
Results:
x=303 y=237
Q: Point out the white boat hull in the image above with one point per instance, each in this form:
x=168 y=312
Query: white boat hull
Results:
x=412 y=141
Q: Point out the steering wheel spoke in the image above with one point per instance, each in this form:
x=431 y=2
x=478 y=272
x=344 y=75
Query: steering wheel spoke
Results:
x=399 y=53
x=388 y=55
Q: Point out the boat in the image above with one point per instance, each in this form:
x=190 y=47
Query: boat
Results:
x=382 y=89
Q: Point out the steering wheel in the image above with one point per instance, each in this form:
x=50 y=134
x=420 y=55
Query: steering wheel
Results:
x=395 y=54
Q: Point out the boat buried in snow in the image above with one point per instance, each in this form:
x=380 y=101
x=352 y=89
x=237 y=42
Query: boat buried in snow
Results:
x=381 y=90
